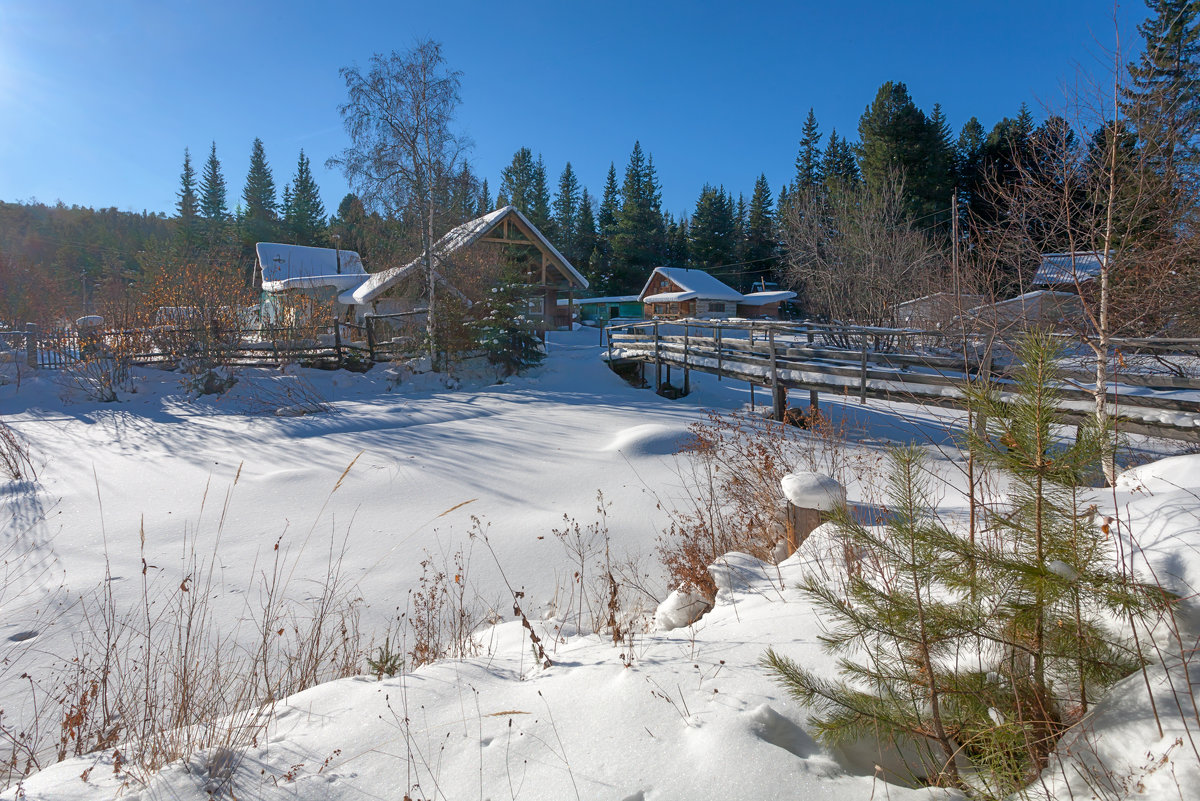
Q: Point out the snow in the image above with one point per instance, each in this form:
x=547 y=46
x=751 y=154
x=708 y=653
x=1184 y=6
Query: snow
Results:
x=763 y=298
x=809 y=490
x=679 y=708
x=285 y=267
x=701 y=283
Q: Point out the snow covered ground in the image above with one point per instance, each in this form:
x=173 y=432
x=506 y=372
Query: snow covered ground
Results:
x=680 y=714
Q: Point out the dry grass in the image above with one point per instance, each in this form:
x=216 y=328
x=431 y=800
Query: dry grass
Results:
x=171 y=674
x=15 y=459
x=730 y=469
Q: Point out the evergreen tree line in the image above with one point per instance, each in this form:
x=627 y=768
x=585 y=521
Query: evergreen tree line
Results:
x=617 y=238
x=205 y=222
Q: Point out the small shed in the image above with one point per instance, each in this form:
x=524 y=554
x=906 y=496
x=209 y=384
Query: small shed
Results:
x=601 y=310
x=293 y=277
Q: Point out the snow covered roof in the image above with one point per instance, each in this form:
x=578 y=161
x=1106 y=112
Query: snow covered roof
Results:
x=1064 y=268
x=454 y=240
x=763 y=298
x=670 y=297
x=694 y=283
x=285 y=267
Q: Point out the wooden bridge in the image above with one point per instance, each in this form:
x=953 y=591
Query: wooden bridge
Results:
x=898 y=365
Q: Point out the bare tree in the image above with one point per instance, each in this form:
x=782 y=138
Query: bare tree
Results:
x=854 y=252
x=398 y=116
x=1091 y=190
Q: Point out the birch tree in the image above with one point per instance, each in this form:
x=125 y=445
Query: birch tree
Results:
x=399 y=115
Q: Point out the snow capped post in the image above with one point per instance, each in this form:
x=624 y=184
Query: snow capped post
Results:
x=808 y=495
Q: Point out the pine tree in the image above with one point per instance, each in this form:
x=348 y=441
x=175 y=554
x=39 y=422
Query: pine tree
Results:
x=1030 y=596
x=808 y=161
x=260 y=212
x=304 y=213
x=187 y=208
x=213 y=206
x=566 y=208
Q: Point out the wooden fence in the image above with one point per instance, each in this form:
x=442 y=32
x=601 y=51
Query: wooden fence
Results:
x=892 y=364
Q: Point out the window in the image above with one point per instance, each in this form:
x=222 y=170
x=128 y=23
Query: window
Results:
x=716 y=307
x=674 y=309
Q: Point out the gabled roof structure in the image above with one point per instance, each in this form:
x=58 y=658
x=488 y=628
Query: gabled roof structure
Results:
x=694 y=284
x=697 y=284
x=502 y=226
x=285 y=267
x=1065 y=269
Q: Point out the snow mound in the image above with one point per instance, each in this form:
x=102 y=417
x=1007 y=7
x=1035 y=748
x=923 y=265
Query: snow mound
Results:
x=681 y=608
x=649 y=439
x=813 y=491
x=1165 y=475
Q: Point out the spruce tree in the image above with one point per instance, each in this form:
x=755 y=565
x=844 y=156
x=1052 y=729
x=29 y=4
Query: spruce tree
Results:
x=187 y=208
x=566 y=208
x=213 y=205
x=260 y=210
x=896 y=136
x=304 y=213
x=504 y=328
x=712 y=230
x=539 y=206
x=517 y=183
x=1162 y=100
x=585 y=240
x=760 y=248
x=606 y=221
x=638 y=243
x=808 y=161
x=484 y=203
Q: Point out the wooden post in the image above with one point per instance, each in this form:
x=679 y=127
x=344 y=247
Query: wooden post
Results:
x=657 y=361
x=800 y=523
x=602 y=330
x=337 y=339
x=687 y=381
x=718 y=332
x=778 y=393
x=370 y=336
x=862 y=376
x=31 y=348
x=751 y=396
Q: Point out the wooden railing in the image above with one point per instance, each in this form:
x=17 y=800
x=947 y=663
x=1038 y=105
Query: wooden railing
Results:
x=906 y=365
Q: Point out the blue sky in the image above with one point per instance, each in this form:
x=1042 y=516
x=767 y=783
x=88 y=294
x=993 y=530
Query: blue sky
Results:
x=99 y=100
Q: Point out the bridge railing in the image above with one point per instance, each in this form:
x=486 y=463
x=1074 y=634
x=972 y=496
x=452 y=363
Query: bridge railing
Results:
x=927 y=367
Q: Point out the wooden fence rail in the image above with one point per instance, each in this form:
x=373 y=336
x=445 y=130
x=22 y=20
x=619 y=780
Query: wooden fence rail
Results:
x=891 y=364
